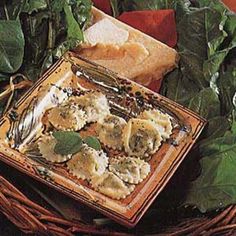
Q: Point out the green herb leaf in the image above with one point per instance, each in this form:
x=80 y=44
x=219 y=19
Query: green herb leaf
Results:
x=68 y=142
x=11 y=46
x=93 y=142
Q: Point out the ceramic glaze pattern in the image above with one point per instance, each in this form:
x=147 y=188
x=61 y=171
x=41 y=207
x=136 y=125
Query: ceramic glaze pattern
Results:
x=23 y=125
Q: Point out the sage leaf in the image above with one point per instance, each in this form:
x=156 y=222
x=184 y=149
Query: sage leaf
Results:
x=11 y=46
x=93 y=142
x=68 y=142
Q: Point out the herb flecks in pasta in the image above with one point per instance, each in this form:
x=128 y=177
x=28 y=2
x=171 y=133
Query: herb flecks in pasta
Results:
x=161 y=120
x=94 y=104
x=133 y=142
x=87 y=163
x=110 y=131
x=67 y=117
x=111 y=185
x=141 y=138
x=129 y=169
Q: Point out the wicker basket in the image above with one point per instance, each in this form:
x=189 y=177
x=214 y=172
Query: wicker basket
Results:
x=28 y=210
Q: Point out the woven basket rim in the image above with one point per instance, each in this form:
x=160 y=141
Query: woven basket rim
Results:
x=32 y=218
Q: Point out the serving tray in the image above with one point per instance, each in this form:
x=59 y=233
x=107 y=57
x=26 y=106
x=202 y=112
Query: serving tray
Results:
x=22 y=125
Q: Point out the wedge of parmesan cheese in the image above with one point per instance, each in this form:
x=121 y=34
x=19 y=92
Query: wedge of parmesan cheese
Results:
x=105 y=32
x=136 y=52
x=126 y=51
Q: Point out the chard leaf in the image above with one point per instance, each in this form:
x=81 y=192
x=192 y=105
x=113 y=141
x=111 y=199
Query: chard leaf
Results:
x=13 y=9
x=215 y=33
x=217 y=127
x=205 y=82
x=216 y=186
x=11 y=46
x=47 y=62
x=81 y=10
x=93 y=142
x=31 y=6
x=73 y=28
x=178 y=87
x=206 y=103
x=119 y=7
x=64 y=47
x=57 y=5
x=227 y=87
x=36 y=29
x=68 y=142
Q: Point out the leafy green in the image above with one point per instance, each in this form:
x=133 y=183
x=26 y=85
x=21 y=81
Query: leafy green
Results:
x=93 y=142
x=82 y=12
x=217 y=127
x=207 y=62
x=215 y=187
x=119 y=7
x=208 y=109
x=204 y=82
x=68 y=142
x=31 y=6
x=50 y=28
x=227 y=87
x=11 y=46
x=73 y=30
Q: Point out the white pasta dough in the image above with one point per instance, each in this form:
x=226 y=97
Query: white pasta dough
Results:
x=111 y=185
x=46 y=145
x=110 y=131
x=130 y=170
x=94 y=104
x=67 y=117
x=161 y=120
x=87 y=163
x=133 y=141
x=141 y=138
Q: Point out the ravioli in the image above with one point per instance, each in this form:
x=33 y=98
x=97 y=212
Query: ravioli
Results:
x=67 y=117
x=141 y=138
x=87 y=163
x=111 y=185
x=46 y=145
x=110 y=131
x=94 y=104
x=130 y=170
x=161 y=120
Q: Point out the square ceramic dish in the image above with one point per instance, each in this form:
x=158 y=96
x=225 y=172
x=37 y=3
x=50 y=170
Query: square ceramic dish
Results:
x=21 y=126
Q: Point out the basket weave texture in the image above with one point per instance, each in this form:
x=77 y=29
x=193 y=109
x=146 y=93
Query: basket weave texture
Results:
x=33 y=217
